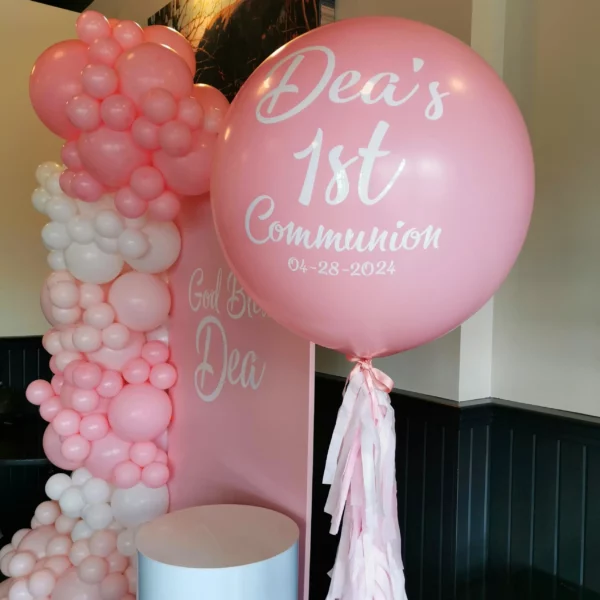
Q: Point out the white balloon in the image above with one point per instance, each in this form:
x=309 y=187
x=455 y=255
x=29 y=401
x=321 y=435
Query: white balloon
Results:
x=45 y=170
x=98 y=516
x=81 y=476
x=52 y=184
x=57 y=485
x=109 y=245
x=165 y=246
x=108 y=224
x=139 y=504
x=56 y=260
x=96 y=491
x=89 y=264
x=81 y=531
x=61 y=208
x=81 y=230
x=133 y=244
x=72 y=502
x=55 y=236
x=39 y=199
x=126 y=542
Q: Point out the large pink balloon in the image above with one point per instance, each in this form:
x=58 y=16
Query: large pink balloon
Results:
x=371 y=200
x=111 y=156
x=52 y=448
x=55 y=79
x=159 y=34
x=70 y=587
x=106 y=454
x=189 y=175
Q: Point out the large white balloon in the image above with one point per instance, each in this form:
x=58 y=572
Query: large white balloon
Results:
x=139 y=504
x=165 y=245
x=88 y=263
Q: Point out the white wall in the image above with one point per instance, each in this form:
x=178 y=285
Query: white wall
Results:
x=26 y=30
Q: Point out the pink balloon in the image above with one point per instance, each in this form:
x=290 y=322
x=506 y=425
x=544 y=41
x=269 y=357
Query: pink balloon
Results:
x=94 y=427
x=189 y=175
x=117 y=563
x=84 y=400
x=155 y=475
x=93 y=569
x=145 y=133
x=106 y=454
x=42 y=583
x=159 y=106
x=38 y=391
x=76 y=448
x=50 y=408
x=55 y=79
x=129 y=34
x=102 y=543
x=70 y=586
x=140 y=413
x=191 y=112
x=86 y=188
x=118 y=112
x=66 y=422
x=366 y=192
x=159 y=34
x=105 y=51
x=36 y=541
x=58 y=564
x=79 y=552
x=87 y=375
x=114 y=587
x=129 y=204
x=110 y=385
x=115 y=360
x=70 y=156
x=92 y=26
x=214 y=106
x=155 y=352
x=66 y=185
x=84 y=112
x=115 y=336
x=99 y=81
x=164 y=208
x=57 y=383
x=136 y=371
x=143 y=453
x=175 y=138
x=127 y=475
x=141 y=301
x=110 y=156
x=147 y=183
x=163 y=376
x=150 y=66
x=53 y=450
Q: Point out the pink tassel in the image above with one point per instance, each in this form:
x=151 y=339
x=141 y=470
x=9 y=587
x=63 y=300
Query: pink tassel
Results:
x=361 y=471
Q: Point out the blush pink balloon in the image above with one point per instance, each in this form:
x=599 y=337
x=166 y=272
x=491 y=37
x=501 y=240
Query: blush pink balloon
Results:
x=115 y=360
x=99 y=81
x=106 y=454
x=53 y=450
x=129 y=34
x=129 y=204
x=136 y=371
x=118 y=112
x=84 y=112
x=110 y=385
x=36 y=541
x=155 y=352
x=69 y=585
x=147 y=183
x=143 y=453
x=94 y=427
x=50 y=408
x=57 y=383
x=70 y=156
x=91 y=26
x=145 y=133
x=159 y=34
x=55 y=79
x=76 y=448
x=87 y=375
x=66 y=422
x=127 y=475
x=163 y=376
x=38 y=391
x=105 y=51
x=149 y=66
x=189 y=175
x=140 y=413
x=84 y=401
x=155 y=475
x=141 y=301
x=369 y=211
x=66 y=183
x=214 y=106
x=175 y=138
x=110 y=156
x=191 y=113
x=86 y=188
x=164 y=208
x=159 y=106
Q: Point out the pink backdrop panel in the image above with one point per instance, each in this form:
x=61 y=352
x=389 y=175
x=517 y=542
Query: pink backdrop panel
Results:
x=243 y=404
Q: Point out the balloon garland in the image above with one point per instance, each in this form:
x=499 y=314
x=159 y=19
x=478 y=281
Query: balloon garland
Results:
x=139 y=138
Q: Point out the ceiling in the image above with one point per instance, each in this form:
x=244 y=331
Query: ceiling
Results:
x=74 y=5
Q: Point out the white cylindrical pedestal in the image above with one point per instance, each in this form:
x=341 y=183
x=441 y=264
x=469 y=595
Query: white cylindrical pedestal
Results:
x=223 y=552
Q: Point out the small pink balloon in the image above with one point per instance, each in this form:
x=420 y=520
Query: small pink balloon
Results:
x=66 y=316
x=5 y=563
x=58 y=564
x=99 y=316
x=94 y=427
x=140 y=412
x=21 y=564
x=164 y=208
x=53 y=449
x=141 y=301
x=50 y=408
x=70 y=586
x=84 y=112
x=37 y=540
x=106 y=454
x=86 y=188
x=87 y=375
x=39 y=391
x=155 y=352
x=143 y=453
x=90 y=294
x=159 y=34
x=66 y=184
x=115 y=360
x=99 y=81
x=115 y=336
x=191 y=113
x=117 y=563
x=162 y=441
x=66 y=423
x=163 y=376
x=59 y=545
x=136 y=371
x=129 y=204
x=103 y=543
x=19 y=590
x=70 y=156
x=91 y=26
x=80 y=550
x=84 y=400
x=214 y=106
x=76 y=448
x=147 y=183
x=64 y=525
x=175 y=138
x=51 y=342
x=47 y=513
x=105 y=51
x=118 y=112
x=114 y=587
x=54 y=366
x=110 y=385
x=126 y=475
x=155 y=475
x=129 y=34
x=145 y=133
x=63 y=359
x=149 y=66
x=87 y=338
x=159 y=106
x=57 y=383
x=42 y=583
x=64 y=294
